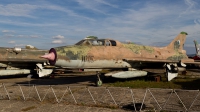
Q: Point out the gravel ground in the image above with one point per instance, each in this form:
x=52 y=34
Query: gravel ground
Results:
x=31 y=106
x=24 y=97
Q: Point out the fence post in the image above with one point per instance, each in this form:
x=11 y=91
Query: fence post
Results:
x=6 y=91
x=133 y=99
x=72 y=94
x=111 y=96
x=91 y=95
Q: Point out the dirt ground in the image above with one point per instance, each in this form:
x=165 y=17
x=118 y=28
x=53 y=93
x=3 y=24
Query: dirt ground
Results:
x=31 y=106
x=73 y=79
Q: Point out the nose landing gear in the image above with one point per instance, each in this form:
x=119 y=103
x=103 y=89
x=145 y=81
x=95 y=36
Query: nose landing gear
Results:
x=98 y=81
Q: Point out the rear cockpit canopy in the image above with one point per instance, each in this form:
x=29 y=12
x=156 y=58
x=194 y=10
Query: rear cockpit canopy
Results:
x=98 y=42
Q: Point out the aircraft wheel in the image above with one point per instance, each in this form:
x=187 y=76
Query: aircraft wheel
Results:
x=99 y=83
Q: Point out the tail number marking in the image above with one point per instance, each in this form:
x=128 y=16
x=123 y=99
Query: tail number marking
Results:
x=88 y=58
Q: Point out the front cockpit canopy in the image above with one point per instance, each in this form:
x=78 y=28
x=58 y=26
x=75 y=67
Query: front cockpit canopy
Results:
x=97 y=42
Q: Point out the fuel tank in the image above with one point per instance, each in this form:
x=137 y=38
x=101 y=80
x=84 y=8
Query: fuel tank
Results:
x=127 y=74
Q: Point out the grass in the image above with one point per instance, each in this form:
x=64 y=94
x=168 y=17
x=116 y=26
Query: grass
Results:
x=178 y=83
x=145 y=84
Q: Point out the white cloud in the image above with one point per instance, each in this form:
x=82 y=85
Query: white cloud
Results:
x=57 y=42
x=191 y=6
x=11 y=42
x=29 y=36
x=19 y=23
x=7 y=31
x=26 y=10
x=9 y=35
x=107 y=3
x=35 y=36
x=94 y=5
x=21 y=36
x=4 y=31
x=17 y=9
x=59 y=37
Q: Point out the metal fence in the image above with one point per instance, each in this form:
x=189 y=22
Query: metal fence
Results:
x=135 y=99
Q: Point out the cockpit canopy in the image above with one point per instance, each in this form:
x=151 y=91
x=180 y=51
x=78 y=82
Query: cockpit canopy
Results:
x=97 y=42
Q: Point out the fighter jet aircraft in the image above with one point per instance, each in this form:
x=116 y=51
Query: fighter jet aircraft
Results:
x=126 y=60
x=17 y=61
x=197 y=55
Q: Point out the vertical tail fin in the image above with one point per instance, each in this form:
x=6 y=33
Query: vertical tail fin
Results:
x=197 y=48
x=178 y=42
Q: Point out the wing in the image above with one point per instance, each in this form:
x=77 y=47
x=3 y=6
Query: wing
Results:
x=153 y=60
x=21 y=55
x=150 y=60
x=191 y=61
x=25 y=60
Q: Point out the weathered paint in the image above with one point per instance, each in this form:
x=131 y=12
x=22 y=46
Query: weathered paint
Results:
x=94 y=64
x=138 y=48
x=87 y=55
x=111 y=54
x=72 y=52
x=177 y=57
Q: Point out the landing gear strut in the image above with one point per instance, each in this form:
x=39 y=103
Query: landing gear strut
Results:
x=99 y=81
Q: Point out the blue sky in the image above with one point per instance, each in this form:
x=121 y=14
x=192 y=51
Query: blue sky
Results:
x=51 y=23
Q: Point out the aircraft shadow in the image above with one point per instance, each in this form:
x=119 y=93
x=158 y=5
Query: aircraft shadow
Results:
x=68 y=79
x=77 y=79
x=190 y=85
x=13 y=76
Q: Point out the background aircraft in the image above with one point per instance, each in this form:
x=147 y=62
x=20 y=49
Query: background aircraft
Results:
x=17 y=61
x=197 y=55
x=124 y=60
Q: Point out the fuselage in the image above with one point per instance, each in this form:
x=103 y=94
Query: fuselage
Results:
x=111 y=55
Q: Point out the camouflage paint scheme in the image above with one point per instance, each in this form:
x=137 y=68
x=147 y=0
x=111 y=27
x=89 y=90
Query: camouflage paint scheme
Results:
x=123 y=60
x=85 y=54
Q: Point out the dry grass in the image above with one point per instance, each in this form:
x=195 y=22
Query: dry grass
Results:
x=178 y=83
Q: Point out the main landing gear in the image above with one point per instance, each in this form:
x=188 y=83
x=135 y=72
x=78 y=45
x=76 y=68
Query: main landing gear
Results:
x=98 y=81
